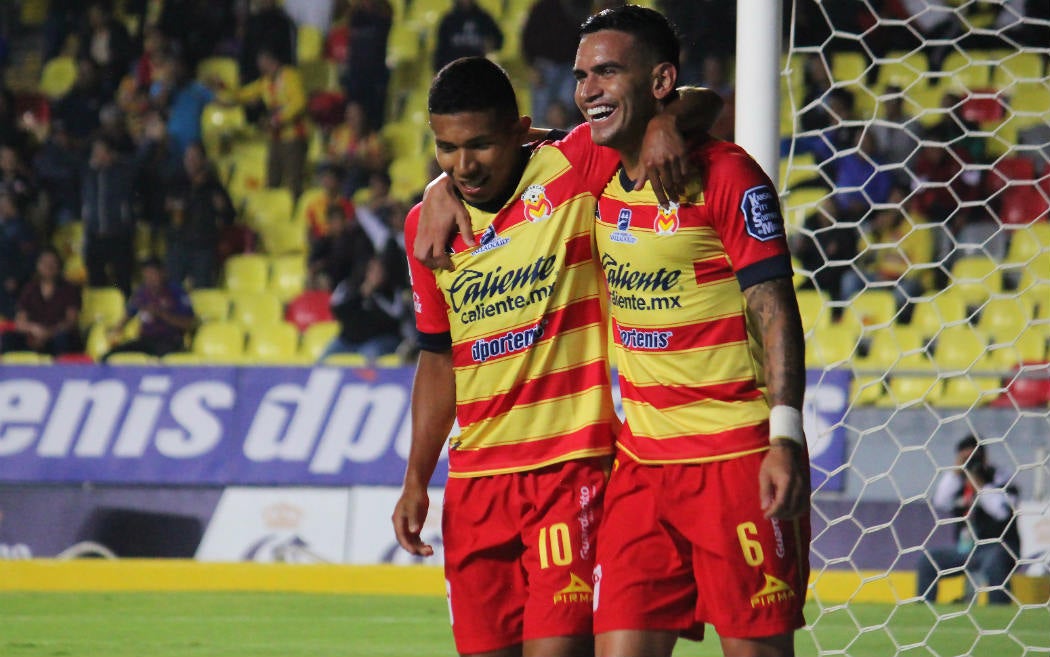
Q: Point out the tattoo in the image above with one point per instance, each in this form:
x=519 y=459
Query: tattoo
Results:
x=774 y=308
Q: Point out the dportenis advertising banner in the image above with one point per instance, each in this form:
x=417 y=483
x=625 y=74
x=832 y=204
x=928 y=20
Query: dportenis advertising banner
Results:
x=205 y=425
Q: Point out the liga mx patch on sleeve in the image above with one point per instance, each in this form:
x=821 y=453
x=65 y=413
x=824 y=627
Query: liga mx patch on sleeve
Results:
x=762 y=213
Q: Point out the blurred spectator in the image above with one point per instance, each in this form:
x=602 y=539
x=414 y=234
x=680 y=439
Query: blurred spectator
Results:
x=267 y=29
x=79 y=108
x=16 y=253
x=331 y=179
x=357 y=148
x=158 y=164
x=559 y=117
x=133 y=94
x=379 y=210
x=826 y=248
x=315 y=13
x=63 y=18
x=182 y=97
x=57 y=166
x=860 y=180
x=202 y=28
x=281 y=90
x=48 y=313
x=365 y=77
x=164 y=313
x=16 y=179
x=1036 y=140
x=113 y=127
x=548 y=43
x=105 y=41
x=941 y=181
x=896 y=132
x=890 y=249
x=466 y=30
x=369 y=310
x=342 y=250
x=199 y=208
x=705 y=29
x=955 y=131
x=12 y=132
x=107 y=195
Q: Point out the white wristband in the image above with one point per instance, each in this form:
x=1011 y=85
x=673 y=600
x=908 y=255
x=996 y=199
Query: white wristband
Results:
x=786 y=422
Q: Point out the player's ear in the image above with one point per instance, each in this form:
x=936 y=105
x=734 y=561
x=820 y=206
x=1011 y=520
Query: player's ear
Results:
x=522 y=125
x=665 y=77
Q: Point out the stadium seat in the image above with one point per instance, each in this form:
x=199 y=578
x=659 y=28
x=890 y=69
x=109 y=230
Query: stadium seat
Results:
x=25 y=358
x=246 y=273
x=870 y=308
x=402 y=138
x=959 y=348
x=316 y=337
x=1003 y=318
x=306 y=199
x=1029 y=245
x=902 y=69
x=210 y=304
x=800 y=203
x=220 y=124
x=68 y=238
x=287 y=276
x=1009 y=170
x=831 y=346
x=814 y=308
x=58 y=76
x=101 y=305
x=97 y=341
x=980 y=387
x=219 y=343
x=408 y=176
x=1018 y=346
x=249 y=169
x=887 y=345
x=932 y=314
x=309 y=44
x=346 y=360
x=319 y=75
x=282 y=238
x=976 y=278
x=223 y=69
x=267 y=206
x=1023 y=204
x=390 y=360
x=132 y=358
x=911 y=382
x=180 y=358
x=309 y=308
x=966 y=71
x=252 y=309
x=273 y=344
x=848 y=66
x=1017 y=66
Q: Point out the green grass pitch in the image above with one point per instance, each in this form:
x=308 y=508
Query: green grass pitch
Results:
x=292 y=625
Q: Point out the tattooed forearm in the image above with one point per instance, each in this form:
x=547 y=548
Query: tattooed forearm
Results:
x=774 y=308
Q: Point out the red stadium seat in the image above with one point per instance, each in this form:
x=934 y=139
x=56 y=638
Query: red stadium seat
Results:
x=1010 y=169
x=1023 y=204
x=309 y=308
x=984 y=107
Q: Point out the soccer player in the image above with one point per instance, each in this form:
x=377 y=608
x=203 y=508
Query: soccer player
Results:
x=706 y=510
x=513 y=345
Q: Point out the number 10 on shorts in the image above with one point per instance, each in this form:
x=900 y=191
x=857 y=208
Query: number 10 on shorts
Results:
x=555 y=545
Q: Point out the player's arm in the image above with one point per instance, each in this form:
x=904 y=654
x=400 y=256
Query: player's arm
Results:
x=433 y=412
x=784 y=478
x=686 y=118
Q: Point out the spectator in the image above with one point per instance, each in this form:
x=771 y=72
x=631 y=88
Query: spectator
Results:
x=356 y=148
x=560 y=117
x=202 y=28
x=369 y=310
x=164 y=312
x=344 y=249
x=987 y=541
x=956 y=132
x=48 y=313
x=63 y=18
x=280 y=88
x=16 y=179
x=79 y=109
x=158 y=166
x=106 y=42
x=183 y=98
x=860 y=180
x=465 y=31
x=379 y=210
x=942 y=181
x=365 y=76
x=331 y=178
x=16 y=253
x=548 y=43
x=268 y=29
x=12 y=129
x=705 y=30
x=107 y=195
x=896 y=132
x=199 y=208
x=826 y=248
x=57 y=166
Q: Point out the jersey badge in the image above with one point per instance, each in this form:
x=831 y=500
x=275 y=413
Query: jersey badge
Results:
x=762 y=213
x=622 y=233
x=775 y=590
x=577 y=591
x=489 y=241
x=666 y=221
x=537 y=206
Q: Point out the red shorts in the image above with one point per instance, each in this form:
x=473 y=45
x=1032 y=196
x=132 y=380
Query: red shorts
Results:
x=519 y=554
x=683 y=545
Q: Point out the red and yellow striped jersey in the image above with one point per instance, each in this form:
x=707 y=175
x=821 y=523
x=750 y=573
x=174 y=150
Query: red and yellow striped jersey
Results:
x=690 y=363
x=522 y=313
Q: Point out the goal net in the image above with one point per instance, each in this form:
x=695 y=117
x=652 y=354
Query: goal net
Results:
x=916 y=181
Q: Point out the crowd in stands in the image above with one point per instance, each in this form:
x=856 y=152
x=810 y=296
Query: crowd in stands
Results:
x=152 y=164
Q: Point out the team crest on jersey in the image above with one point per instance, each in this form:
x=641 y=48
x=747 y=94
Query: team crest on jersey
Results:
x=666 y=221
x=537 y=206
x=490 y=240
x=762 y=213
x=622 y=233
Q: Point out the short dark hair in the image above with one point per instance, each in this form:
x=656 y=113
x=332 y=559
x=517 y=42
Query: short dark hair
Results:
x=971 y=442
x=473 y=84
x=650 y=29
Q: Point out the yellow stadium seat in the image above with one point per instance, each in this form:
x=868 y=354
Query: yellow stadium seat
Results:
x=219 y=342
x=888 y=345
x=251 y=309
x=831 y=346
x=223 y=69
x=1004 y=318
x=68 y=238
x=1028 y=345
x=903 y=70
x=58 y=76
x=220 y=124
x=1017 y=66
x=911 y=382
x=309 y=43
x=101 y=305
x=249 y=169
x=266 y=206
x=287 y=276
x=966 y=71
x=25 y=358
x=402 y=138
x=870 y=308
x=319 y=75
x=74 y=269
x=976 y=278
x=284 y=237
x=970 y=390
x=305 y=200
x=180 y=358
x=848 y=66
x=958 y=348
x=1030 y=249
x=132 y=358
x=800 y=203
x=97 y=342
x=390 y=360
x=246 y=273
x=346 y=360
x=932 y=314
x=275 y=344
x=408 y=176
x=315 y=338
x=814 y=308
x=210 y=304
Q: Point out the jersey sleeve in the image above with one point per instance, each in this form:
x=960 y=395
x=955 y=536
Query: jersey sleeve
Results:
x=745 y=210
x=432 y=327
x=594 y=164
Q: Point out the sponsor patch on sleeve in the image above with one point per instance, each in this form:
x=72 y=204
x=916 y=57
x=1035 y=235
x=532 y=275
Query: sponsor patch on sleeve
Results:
x=762 y=213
